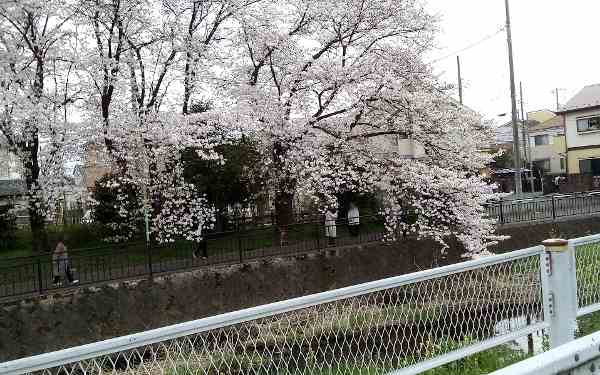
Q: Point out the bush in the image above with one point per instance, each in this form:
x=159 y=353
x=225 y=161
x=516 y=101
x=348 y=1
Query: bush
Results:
x=8 y=227
x=117 y=208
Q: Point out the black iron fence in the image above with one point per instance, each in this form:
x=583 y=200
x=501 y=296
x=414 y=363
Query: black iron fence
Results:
x=36 y=274
x=545 y=208
x=40 y=274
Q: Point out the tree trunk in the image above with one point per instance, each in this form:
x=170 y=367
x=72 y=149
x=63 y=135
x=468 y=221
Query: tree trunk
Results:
x=284 y=195
x=285 y=215
x=37 y=218
x=37 y=221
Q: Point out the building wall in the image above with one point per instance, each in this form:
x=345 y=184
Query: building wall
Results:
x=95 y=165
x=406 y=148
x=575 y=139
x=554 y=151
x=576 y=155
x=9 y=168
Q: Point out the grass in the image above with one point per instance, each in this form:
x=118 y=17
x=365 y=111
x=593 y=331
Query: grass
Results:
x=256 y=364
x=482 y=363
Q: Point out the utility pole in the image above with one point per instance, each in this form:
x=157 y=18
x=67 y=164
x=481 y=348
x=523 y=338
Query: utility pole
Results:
x=460 y=92
x=555 y=92
x=526 y=145
x=513 y=95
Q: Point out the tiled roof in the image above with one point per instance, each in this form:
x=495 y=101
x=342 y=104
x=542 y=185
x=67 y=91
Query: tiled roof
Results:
x=555 y=122
x=12 y=187
x=588 y=97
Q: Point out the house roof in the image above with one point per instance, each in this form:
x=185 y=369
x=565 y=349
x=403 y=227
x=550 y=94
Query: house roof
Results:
x=588 y=97
x=12 y=187
x=541 y=115
x=554 y=122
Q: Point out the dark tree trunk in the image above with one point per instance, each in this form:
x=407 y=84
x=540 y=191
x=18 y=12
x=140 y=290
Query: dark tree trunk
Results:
x=285 y=214
x=37 y=218
x=284 y=196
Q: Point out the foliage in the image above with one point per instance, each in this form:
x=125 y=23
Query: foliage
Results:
x=117 y=207
x=504 y=160
x=8 y=227
x=231 y=179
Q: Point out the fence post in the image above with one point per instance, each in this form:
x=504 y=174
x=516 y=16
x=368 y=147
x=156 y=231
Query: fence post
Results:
x=239 y=244
x=149 y=252
x=39 y=276
x=501 y=213
x=559 y=289
x=317 y=234
x=553 y=208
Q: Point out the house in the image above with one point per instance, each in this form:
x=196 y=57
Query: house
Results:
x=504 y=133
x=95 y=166
x=547 y=145
x=581 y=117
x=9 y=166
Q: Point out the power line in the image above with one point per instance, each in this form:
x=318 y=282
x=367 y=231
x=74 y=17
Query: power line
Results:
x=475 y=44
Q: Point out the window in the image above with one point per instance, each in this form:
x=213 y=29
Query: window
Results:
x=541 y=140
x=563 y=163
x=588 y=124
x=590 y=166
x=543 y=165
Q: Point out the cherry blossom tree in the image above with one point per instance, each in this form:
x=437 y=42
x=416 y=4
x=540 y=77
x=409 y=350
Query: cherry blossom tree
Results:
x=324 y=84
x=35 y=91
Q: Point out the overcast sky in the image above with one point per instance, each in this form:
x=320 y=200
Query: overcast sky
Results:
x=555 y=45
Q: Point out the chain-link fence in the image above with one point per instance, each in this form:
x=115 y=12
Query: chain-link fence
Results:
x=587 y=257
x=406 y=324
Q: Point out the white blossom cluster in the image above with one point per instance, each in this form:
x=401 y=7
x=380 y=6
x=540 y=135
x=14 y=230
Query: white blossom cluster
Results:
x=184 y=213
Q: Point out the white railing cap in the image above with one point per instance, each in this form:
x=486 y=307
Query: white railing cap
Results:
x=564 y=358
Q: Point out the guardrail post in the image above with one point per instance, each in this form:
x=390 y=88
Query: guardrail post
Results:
x=559 y=289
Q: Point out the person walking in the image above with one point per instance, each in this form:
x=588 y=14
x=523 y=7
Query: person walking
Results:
x=353 y=220
x=330 y=226
x=201 y=248
x=60 y=264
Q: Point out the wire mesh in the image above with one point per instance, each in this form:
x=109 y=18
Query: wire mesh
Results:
x=587 y=258
x=371 y=333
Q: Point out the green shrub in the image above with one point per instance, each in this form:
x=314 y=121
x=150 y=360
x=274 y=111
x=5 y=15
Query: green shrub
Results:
x=117 y=208
x=8 y=227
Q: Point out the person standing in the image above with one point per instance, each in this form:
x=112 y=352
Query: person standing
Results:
x=330 y=226
x=353 y=220
x=60 y=264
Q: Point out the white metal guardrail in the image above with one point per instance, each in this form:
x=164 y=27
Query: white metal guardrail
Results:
x=576 y=358
x=405 y=325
